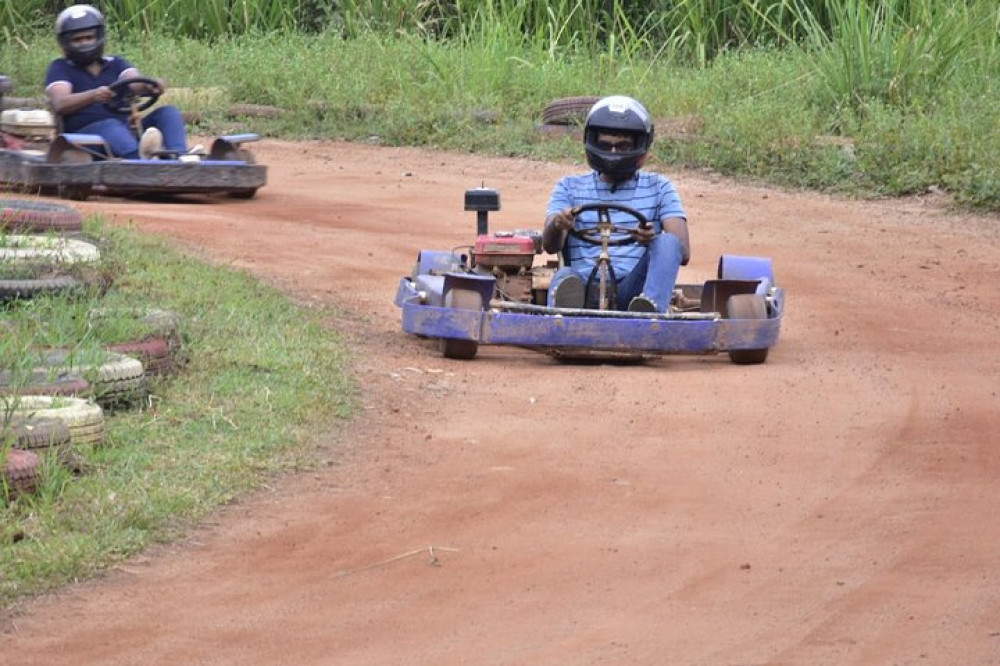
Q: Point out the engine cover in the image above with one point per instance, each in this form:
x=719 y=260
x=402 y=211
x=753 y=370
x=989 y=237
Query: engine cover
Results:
x=504 y=250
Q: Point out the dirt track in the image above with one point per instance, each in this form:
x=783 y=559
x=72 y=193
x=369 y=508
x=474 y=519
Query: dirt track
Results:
x=838 y=505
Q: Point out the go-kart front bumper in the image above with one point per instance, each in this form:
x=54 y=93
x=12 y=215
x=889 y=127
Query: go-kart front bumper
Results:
x=553 y=329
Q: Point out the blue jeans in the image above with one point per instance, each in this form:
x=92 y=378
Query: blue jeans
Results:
x=654 y=276
x=121 y=139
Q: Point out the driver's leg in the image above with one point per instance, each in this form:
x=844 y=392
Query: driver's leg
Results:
x=119 y=137
x=665 y=256
x=169 y=121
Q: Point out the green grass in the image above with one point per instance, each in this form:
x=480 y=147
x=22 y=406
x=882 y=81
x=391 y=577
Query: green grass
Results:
x=768 y=84
x=264 y=382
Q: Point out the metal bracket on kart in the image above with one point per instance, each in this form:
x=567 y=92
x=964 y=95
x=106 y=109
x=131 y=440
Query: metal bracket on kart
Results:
x=450 y=299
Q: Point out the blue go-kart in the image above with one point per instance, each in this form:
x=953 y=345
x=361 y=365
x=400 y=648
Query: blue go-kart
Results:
x=36 y=157
x=493 y=293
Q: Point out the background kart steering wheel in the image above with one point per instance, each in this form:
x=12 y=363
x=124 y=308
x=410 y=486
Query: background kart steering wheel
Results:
x=125 y=97
x=592 y=234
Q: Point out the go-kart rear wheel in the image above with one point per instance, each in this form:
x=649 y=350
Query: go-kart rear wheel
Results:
x=461 y=299
x=747 y=306
x=74 y=192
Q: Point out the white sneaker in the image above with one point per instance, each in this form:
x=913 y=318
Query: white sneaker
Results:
x=151 y=143
x=194 y=154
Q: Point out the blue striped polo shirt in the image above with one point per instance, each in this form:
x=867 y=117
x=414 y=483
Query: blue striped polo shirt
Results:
x=651 y=194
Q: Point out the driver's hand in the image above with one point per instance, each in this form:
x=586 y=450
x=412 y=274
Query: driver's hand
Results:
x=644 y=235
x=147 y=88
x=564 y=220
x=103 y=94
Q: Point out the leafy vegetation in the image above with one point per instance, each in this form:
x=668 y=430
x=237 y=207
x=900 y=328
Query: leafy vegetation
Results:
x=869 y=98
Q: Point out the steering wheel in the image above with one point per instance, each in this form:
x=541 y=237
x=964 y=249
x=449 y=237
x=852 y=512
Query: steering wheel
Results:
x=125 y=97
x=593 y=234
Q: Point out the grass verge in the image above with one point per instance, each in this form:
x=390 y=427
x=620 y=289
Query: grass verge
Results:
x=264 y=379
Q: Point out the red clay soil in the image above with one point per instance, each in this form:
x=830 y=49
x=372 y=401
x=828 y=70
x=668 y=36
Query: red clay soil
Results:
x=838 y=505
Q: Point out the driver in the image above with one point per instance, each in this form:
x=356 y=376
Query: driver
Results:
x=78 y=89
x=617 y=136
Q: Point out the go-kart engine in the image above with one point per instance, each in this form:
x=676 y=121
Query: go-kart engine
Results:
x=508 y=256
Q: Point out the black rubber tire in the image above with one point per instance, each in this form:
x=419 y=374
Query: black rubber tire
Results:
x=20 y=472
x=28 y=216
x=45 y=436
x=12 y=290
x=30 y=434
x=747 y=306
x=464 y=299
x=568 y=110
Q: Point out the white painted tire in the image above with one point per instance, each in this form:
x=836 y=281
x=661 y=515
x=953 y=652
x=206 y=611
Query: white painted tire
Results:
x=120 y=378
x=84 y=419
x=48 y=248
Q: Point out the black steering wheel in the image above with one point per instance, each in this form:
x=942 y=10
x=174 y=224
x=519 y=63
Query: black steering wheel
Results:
x=592 y=234
x=125 y=97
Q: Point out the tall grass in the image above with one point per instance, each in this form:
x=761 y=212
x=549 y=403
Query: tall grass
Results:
x=896 y=79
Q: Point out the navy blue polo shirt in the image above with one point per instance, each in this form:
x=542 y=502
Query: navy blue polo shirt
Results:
x=63 y=69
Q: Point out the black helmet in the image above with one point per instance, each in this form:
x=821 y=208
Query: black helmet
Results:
x=74 y=19
x=620 y=115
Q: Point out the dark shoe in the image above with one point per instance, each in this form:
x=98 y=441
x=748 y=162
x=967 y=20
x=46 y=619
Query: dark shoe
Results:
x=642 y=304
x=569 y=293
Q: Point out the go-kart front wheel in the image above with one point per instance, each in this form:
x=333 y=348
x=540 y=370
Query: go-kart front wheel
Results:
x=461 y=299
x=747 y=306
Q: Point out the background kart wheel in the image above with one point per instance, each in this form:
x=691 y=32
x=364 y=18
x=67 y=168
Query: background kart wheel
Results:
x=461 y=299
x=74 y=192
x=747 y=306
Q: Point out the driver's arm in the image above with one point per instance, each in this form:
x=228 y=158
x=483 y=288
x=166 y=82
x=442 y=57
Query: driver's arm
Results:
x=557 y=226
x=678 y=226
x=64 y=101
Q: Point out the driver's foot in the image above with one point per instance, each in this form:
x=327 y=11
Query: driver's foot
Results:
x=641 y=304
x=569 y=293
x=150 y=143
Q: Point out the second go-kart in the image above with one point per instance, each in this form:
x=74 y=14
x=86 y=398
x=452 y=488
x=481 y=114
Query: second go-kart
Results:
x=496 y=294
x=36 y=157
